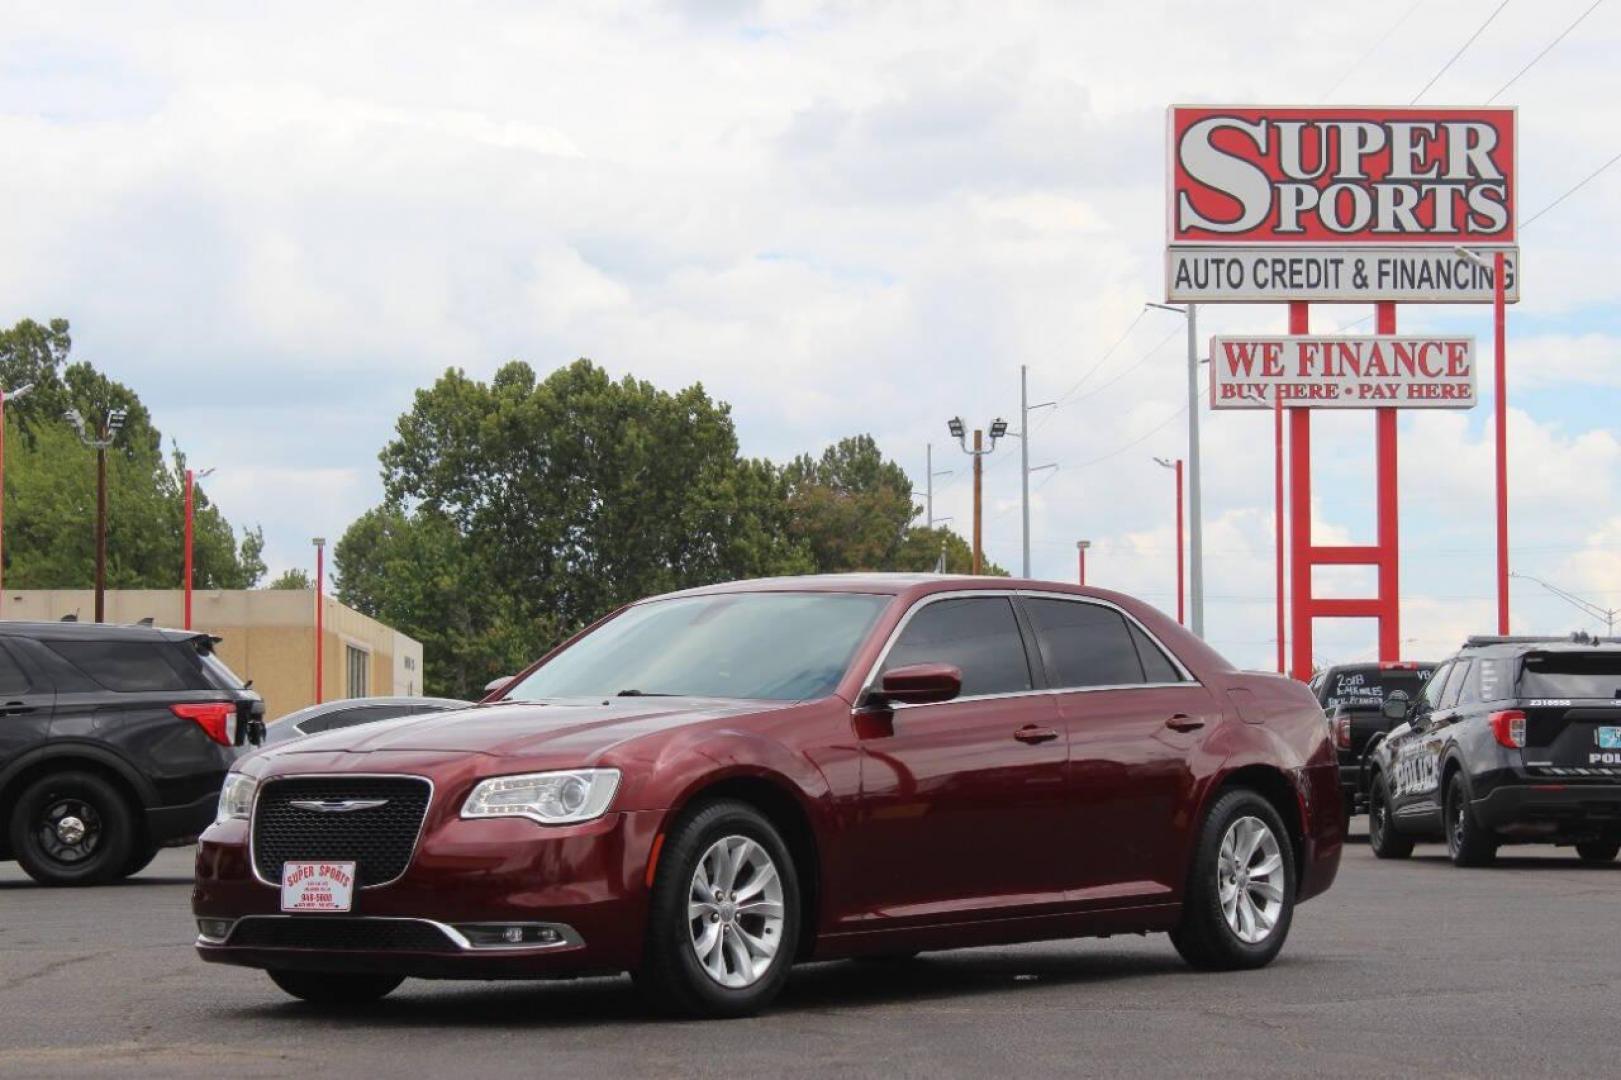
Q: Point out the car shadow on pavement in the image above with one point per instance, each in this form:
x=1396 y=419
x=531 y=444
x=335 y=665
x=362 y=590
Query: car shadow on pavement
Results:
x=812 y=988
x=1569 y=864
x=126 y=883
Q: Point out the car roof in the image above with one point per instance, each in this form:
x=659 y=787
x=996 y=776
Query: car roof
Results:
x=68 y=631
x=1519 y=645
x=886 y=584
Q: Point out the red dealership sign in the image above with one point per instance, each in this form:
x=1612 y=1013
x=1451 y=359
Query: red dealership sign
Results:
x=1388 y=370
x=1336 y=176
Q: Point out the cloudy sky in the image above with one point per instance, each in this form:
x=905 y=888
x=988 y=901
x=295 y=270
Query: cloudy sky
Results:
x=277 y=221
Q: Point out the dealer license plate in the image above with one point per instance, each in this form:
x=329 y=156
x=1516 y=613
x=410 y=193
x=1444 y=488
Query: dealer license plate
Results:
x=1609 y=738
x=317 y=886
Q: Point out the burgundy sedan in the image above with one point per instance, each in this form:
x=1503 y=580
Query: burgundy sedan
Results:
x=705 y=787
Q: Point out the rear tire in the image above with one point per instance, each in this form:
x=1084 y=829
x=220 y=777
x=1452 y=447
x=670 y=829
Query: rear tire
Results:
x=73 y=828
x=335 y=990
x=141 y=857
x=1468 y=842
x=1241 y=891
x=1598 y=851
x=723 y=924
x=1386 y=842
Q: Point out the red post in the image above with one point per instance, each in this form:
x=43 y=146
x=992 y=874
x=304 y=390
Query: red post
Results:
x=186 y=558
x=1080 y=550
x=2 y=486
x=1277 y=517
x=320 y=615
x=1181 y=589
x=1389 y=535
x=1300 y=519
x=1499 y=300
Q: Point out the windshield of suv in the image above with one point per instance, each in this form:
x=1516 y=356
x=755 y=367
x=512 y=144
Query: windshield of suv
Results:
x=770 y=646
x=1571 y=675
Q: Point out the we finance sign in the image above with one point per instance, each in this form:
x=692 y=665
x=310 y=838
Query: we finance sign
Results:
x=1348 y=205
x=1363 y=372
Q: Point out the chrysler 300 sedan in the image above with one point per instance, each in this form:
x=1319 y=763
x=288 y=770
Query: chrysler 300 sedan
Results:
x=706 y=787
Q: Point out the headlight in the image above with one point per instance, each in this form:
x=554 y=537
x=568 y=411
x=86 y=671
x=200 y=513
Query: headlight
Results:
x=551 y=798
x=236 y=797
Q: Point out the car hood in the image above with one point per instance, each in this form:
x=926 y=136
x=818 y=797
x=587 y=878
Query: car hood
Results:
x=579 y=729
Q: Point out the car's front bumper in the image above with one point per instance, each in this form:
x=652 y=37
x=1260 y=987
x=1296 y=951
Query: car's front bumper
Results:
x=588 y=881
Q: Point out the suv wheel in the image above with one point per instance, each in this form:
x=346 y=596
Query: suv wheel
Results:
x=1241 y=893
x=1386 y=842
x=1468 y=842
x=335 y=990
x=724 y=919
x=1598 y=850
x=73 y=828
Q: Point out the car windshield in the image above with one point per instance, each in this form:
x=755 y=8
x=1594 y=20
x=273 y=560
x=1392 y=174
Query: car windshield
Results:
x=1367 y=686
x=770 y=646
x=1571 y=675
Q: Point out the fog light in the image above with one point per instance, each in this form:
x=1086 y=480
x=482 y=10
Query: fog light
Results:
x=516 y=935
x=513 y=935
x=214 y=929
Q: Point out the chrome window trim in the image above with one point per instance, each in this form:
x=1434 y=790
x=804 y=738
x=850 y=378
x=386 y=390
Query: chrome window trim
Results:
x=258 y=793
x=568 y=937
x=870 y=681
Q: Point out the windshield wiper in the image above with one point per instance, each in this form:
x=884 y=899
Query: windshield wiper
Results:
x=641 y=693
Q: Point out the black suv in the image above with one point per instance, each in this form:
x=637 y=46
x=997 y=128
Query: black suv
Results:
x=1513 y=740
x=1353 y=699
x=114 y=741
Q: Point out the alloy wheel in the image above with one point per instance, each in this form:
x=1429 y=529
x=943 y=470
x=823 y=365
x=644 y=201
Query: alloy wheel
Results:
x=1250 y=879
x=735 y=912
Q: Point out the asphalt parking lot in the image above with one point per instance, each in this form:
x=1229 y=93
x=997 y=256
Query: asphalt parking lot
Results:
x=1402 y=969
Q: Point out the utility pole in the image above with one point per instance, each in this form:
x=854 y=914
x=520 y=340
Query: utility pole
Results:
x=1080 y=550
x=960 y=433
x=1025 y=408
x=1190 y=312
x=928 y=485
x=105 y=434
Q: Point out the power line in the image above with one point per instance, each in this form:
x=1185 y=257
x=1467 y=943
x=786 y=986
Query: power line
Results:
x=1397 y=25
x=1546 y=50
x=1461 y=50
x=1087 y=374
x=1580 y=184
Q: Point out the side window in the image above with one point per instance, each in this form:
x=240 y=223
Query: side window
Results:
x=12 y=680
x=1085 y=644
x=977 y=635
x=1430 y=698
x=125 y=666
x=1455 y=685
x=1492 y=680
x=1157 y=667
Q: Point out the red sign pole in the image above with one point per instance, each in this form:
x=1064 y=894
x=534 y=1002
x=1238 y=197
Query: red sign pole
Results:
x=1277 y=513
x=1501 y=399
x=1181 y=588
x=1300 y=519
x=1389 y=605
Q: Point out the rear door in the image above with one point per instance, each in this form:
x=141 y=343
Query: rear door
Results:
x=26 y=700
x=1415 y=778
x=1572 y=706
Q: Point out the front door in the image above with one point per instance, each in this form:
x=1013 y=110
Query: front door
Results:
x=962 y=802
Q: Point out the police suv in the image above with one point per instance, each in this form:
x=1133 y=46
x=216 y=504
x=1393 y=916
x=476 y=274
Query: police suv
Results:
x=1514 y=740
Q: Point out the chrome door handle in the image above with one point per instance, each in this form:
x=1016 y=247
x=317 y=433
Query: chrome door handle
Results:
x=1180 y=722
x=1033 y=734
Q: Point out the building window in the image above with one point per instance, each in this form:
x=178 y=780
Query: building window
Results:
x=359 y=671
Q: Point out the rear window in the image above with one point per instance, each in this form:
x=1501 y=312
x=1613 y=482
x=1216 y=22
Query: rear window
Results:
x=1571 y=675
x=1367 y=687
x=128 y=666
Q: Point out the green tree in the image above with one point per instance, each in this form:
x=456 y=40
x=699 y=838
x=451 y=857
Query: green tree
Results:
x=851 y=507
x=291 y=580
x=920 y=552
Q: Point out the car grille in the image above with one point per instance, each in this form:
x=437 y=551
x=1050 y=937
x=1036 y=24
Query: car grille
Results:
x=378 y=840
x=338 y=935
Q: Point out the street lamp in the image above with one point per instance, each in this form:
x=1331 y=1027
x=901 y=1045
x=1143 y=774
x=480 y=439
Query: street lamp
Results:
x=1181 y=612
x=1080 y=550
x=1500 y=405
x=959 y=432
x=1195 y=512
x=99 y=441
x=5 y=396
x=320 y=614
x=191 y=482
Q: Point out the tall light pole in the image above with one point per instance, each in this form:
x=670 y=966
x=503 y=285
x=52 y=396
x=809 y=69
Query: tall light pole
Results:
x=929 y=474
x=1195 y=508
x=320 y=612
x=1181 y=589
x=1025 y=408
x=959 y=432
x=5 y=396
x=1608 y=615
x=1500 y=406
x=191 y=482
x=1080 y=551
x=104 y=437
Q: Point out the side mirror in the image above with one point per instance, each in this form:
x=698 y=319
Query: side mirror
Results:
x=920 y=684
x=497 y=685
x=1396 y=706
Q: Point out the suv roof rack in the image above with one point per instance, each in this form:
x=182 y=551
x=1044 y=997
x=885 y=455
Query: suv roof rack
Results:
x=1580 y=637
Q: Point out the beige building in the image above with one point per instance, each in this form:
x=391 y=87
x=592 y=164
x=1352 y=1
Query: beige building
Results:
x=268 y=636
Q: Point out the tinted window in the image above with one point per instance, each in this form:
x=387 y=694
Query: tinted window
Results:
x=977 y=635
x=350 y=717
x=12 y=680
x=1366 y=686
x=1492 y=679
x=1460 y=675
x=1084 y=644
x=1432 y=690
x=1571 y=675
x=1157 y=667
x=125 y=666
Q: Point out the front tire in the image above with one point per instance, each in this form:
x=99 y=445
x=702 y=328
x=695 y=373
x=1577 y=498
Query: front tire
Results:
x=1386 y=842
x=724 y=920
x=1468 y=842
x=333 y=990
x=1598 y=851
x=73 y=828
x=1241 y=892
